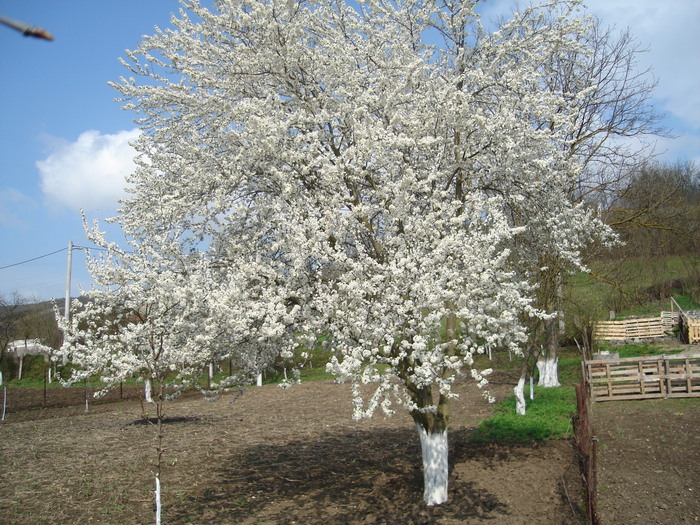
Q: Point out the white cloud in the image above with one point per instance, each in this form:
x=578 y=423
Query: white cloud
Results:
x=90 y=172
x=670 y=31
x=684 y=148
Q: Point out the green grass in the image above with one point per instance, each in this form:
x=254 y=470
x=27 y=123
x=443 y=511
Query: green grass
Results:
x=30 y=383
x=548 y=416
x=316 y=374
x=638 y=350
x=686 y=302
x=654 y=308
x=636 y=276
x=569 y=367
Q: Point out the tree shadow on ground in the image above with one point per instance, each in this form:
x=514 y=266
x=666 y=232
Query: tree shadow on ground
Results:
x=350 y=477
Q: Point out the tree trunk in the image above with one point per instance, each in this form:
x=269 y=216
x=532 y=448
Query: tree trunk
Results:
x=148 y=394
x=548 y=362
x=160 y=417
x=519 y=392
x=548 y=367
x=432 y=430
x=431 y=420
x=157 y=498
x=87 y=408
x=435 y=468
x=519 y=389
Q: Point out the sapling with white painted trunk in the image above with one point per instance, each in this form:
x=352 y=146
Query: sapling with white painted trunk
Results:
x=149 y=317
x=367 y=172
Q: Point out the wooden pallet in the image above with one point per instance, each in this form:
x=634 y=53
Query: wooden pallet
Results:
x=642 y=377
x=669 y=320
x=690 y=329
x=643 y=328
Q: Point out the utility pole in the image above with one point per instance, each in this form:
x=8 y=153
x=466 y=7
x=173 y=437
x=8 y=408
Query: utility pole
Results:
x=66 y=309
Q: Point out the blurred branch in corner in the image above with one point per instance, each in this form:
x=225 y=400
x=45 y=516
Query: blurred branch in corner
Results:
x=26 y=29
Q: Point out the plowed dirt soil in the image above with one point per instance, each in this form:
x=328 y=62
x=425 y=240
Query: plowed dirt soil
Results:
x=275 y=456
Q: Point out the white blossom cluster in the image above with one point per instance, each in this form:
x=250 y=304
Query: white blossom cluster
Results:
x=377 y=173
x=151 y=317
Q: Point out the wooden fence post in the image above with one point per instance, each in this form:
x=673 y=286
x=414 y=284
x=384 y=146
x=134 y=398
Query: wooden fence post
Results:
x=586 y=452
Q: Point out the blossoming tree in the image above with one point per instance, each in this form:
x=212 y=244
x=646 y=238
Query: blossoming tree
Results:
x=144 y=319
x=153 y=315
x=372 y=172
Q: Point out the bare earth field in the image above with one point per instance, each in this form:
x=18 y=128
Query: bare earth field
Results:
x=277 y=456
x=648 y=461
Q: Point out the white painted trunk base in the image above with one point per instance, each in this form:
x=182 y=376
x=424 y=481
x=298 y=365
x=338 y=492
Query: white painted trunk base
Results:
x=147 y=391
x=435 y=471
x=259 y=380
x=157 y=498
x=519 y=392
x=549 y=372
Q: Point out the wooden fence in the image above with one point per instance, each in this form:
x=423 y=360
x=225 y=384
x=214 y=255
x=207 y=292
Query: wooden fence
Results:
x=642 y=377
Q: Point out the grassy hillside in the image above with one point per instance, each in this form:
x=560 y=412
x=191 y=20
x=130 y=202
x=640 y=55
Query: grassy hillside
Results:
x=636 y=286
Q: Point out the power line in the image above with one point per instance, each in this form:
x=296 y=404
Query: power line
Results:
x=52 y=253
x=76 y=247
x=34 y=259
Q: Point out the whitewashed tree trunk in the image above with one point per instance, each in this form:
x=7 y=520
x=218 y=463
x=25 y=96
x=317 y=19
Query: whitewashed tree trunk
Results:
x=147 y=391
x=259 y=380
x=548 y=363
x=519 y=391
x=21 y=363
x=435 y=472
x=548 y=367
x=157 y=499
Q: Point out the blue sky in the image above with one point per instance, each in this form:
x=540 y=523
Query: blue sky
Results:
x=64 y=140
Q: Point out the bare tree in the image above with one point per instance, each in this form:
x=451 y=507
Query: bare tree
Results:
x=656 y=210
x=12 y=310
